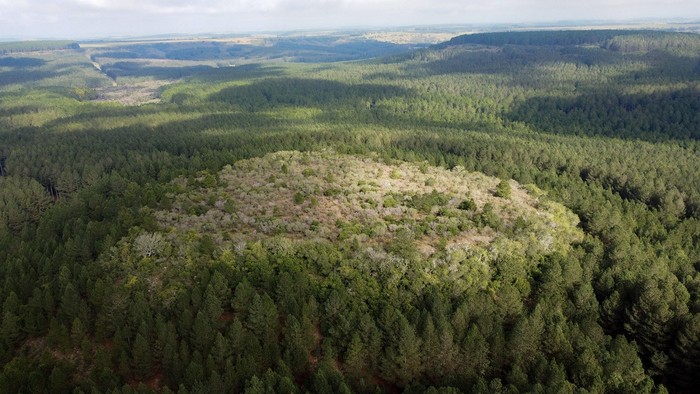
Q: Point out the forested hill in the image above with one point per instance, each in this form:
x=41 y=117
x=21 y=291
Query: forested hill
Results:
x=33 y=46
x=474 y=218
x=625 y=84
x=618 y=40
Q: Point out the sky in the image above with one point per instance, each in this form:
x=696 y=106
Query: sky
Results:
x=76 y=19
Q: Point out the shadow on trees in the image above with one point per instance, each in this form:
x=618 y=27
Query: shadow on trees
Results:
x=541 y=38
x=334 y=49
x=318 y=93
x=21 y=76
x=19 y=110
x=21 y=62
x=146 y=153
x=24 y=70
x=202 y=73
x=167 y=50
x=298 y=49
x=520 y=61
x=507 y=60
x=112 y=112
x=663 y=67
x=239 y=73
x=655 y=117
x=136 y=69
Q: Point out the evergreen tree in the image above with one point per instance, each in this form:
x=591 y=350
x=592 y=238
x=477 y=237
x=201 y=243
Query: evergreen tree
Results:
x=296 y=354
x=203 y=332
x=402 y=362
x=141 y=356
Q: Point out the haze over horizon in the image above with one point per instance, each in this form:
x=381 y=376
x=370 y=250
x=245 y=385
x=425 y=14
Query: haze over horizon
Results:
x=75 y=19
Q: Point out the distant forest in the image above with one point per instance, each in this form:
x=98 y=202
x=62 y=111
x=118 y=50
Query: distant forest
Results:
x=35 y=46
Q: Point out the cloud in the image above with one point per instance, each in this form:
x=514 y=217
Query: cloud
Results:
x=96 y=18
x=219 y=6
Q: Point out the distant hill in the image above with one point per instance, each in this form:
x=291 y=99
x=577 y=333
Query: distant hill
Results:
x=34 y=46
x=237 y=51
x=618 y=40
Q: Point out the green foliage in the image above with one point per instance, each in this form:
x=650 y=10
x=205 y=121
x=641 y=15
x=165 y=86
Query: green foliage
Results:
x=390 y=202
x=503 y=190
x=32 y=46
x=425 y=202
x=612 y=39
x=403 y=353
x=487 y=217
x=403 y=244
x=22 y=202
x=467 y=205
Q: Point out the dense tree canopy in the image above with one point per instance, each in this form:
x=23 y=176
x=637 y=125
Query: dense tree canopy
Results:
x=102 y=293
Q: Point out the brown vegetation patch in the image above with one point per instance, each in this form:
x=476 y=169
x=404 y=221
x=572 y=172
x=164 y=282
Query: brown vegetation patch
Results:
x=135 y=93
x=324 y=195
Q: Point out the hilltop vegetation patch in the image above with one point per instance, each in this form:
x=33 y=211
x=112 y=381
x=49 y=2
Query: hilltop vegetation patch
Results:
x=400 y=221
x=338 y=197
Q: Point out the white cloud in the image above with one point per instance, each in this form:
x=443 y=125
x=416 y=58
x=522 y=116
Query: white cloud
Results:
x=80 y=18
x=222 y=6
